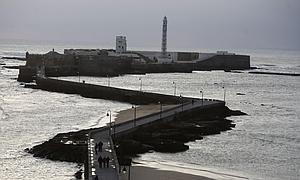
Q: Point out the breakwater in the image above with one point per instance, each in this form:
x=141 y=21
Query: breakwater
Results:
x=164 y=131
x=105 y=92
x=170 y=134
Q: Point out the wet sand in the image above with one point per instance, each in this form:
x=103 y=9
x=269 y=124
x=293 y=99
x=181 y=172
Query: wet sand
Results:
x=147 y=173
x=142 y=110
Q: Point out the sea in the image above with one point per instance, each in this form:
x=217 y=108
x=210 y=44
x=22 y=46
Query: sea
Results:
x=265 y=144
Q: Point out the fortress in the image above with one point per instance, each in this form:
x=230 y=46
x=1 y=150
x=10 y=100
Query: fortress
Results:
x=119 y=61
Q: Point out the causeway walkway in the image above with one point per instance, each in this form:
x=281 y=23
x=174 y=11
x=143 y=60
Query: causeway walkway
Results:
x=109 y=172
x=112 y=172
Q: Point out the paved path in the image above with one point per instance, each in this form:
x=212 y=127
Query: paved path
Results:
x=199 y=104
x=111 y=173
x=103 y=173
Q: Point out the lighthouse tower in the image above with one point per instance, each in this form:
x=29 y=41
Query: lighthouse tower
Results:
x=164 y=38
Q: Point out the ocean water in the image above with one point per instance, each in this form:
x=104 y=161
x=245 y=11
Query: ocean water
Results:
x=265 y=144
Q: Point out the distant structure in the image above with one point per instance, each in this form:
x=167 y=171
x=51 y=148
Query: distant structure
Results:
x=121 y=44
x=164 y=37
x=110 y=62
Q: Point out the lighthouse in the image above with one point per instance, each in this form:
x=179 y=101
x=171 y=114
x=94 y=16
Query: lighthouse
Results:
x=164 y=37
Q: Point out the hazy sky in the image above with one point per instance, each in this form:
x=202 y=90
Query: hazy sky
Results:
x=192 y=24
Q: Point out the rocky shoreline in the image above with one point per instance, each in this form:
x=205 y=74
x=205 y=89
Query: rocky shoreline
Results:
x=171 y=137
x=69 y=147
x=165 y=137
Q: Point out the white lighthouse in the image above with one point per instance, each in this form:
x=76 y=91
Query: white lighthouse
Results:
x=164 y=37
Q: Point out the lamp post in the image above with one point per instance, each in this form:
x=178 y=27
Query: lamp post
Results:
x=180 y=96
x=134 y=115
x=78 y=76
x=124 y=170
x=224 y=93
x=109 y=114
x=174 y=88
x=114 y=129
x=108 y=80
x=202 y=96
x=141 y=85
x=160 y=109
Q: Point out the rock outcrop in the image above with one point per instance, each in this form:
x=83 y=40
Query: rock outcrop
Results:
x=171 y=137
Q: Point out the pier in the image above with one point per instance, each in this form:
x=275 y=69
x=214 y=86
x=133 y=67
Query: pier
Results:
x=184 y=107
x=113 y=172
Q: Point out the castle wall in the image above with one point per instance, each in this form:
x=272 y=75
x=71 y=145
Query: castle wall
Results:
x=102 y=65
x=224 y=62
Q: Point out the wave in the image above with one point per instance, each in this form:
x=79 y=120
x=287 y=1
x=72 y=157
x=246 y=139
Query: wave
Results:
x=274 y=139
x=272 y=65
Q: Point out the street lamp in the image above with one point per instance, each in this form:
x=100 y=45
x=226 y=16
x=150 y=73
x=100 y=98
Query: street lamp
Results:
x=141 y=85
x=108 y=80
x=174 y=88
x=114 y=129
x=124 y=170
x=56 y=73
x=78 y=76
x=109 y=114
x=134 y=115
x=160 y=109
x=202 y=96
x=224 y=93
x=180 y=96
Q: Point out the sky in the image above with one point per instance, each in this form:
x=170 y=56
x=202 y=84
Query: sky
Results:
x=192 y=24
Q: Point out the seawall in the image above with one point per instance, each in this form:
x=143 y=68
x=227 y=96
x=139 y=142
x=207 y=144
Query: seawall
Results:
x=105 y=92
x=224 y=62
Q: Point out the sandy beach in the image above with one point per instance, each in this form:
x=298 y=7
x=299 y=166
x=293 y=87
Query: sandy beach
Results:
x=147 y=173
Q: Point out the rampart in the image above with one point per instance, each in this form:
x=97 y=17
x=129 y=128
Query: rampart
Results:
x=56 y=64
x=224 y=62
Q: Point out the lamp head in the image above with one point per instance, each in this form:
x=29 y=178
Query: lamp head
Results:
x=124 y=170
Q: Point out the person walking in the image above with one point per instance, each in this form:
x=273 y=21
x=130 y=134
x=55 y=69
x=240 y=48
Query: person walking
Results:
x=107 y=161
x=100 y=161
x=100 y=144
x=96 y=177
x=96 y=148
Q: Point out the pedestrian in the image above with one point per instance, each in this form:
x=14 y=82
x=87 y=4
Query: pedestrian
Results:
x=107 y=161
x=100 y=144
x=100 y=161
x=96 y=148
x=104 y=162
x=96 y=177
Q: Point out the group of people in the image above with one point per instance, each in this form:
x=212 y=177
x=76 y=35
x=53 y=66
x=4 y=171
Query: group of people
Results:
x=103 y=162
x=98 y=147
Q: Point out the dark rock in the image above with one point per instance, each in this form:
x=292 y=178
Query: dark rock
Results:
x=28 y=85
x=168 y=146
x=130 y=147
x=78 y=174
x=15 y=58
x=274 y=73
x=11 y=67
x=57 y=149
